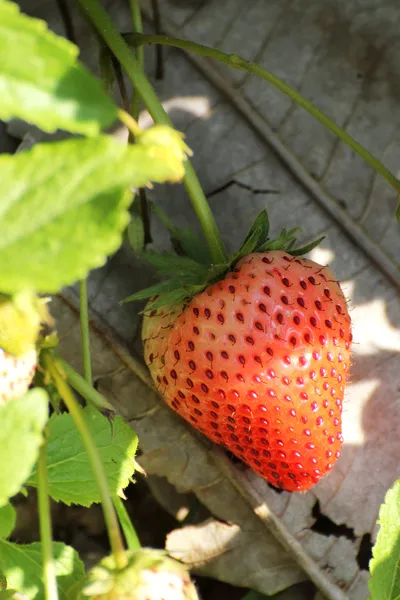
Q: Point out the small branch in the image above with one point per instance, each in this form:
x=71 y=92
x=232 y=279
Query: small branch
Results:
x=49 y=573
x=132 y=540
x=129 y=121
x=237 y=62
x=85 y=331
x=137 y=28
x=159 y=51
x=277 y=528
x=116 y=43
x=78 y=416
x=67 y=20
x=244 y=186
x=145 y=214
x=84 y=388
x=121 y=83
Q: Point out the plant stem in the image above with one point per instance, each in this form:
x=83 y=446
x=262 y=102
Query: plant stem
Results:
x=159 y=51
x=131 y=537
x=114 y=533
x=81 y=385
x=85 y=332
x=145 y=214
x=236 y=62
x=137 y=28
x=116 y=43
x=49 y=573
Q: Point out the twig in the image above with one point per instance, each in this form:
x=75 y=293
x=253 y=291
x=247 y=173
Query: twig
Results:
x=157 y=28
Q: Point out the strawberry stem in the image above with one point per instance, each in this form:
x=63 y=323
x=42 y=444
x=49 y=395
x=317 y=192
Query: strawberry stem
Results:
x=83 y=388
x=137 y=28
x=85 y=332
x=132 y=540
x=118 y=46
x=75 y=410
x=49 y=573
x=237 y=62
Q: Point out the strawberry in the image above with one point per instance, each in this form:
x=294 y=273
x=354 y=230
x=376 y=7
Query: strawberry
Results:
x=16 y=374
x=20 y=323
x=258 y=361
x=149 y=575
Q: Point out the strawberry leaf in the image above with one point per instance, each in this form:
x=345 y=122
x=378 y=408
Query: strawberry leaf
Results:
x=71 y=479
x=258 y=234
x=177 y=266
x=173 y=298
x=185 y=241
x=155 y=290
x=307 y=248
x=64 y=208
x=51 y=89
x=22 y=422
x=22 y=566
x=7 y=520
x=385 y=564
x=250 y=245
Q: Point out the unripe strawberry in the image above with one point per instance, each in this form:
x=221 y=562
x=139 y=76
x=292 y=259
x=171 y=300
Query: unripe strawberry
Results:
x=20 y=318
x=149 y=575
x=16 y=374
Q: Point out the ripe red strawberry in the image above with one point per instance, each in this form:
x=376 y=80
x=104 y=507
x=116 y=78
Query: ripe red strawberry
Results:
x=16 y=374
x=258 y=362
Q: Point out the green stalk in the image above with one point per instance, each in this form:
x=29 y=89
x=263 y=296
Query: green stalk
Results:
x=237 y=62
x=132 y=540
x=116 y=43
x=83 y=388
x=85 y=332
x=137 y=28
x=49 y=572
x=114 y=533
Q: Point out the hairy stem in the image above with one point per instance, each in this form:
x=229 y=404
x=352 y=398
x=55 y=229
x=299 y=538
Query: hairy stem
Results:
x=117 y=44
x=137 y=28
x=75 y=410
x=49 y=572
x=236 y=62
x=85 y=331
x=130 y=534
x=159 y=51
x=83 y=388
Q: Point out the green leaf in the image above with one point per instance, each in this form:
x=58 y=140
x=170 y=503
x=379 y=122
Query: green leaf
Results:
x=7 y=520
x=22 y=422
x=136 y=235
x=64 y=207
x=185 y=240
x=190 y=244
x=384 y=583
x=41 y=81
x=177 y=266
x=250 y=245
x=12 y=595
x=154 y=290
x=71 y=479
x=260 y=225
x=174 y=297
x=307 y=248
x=23 y=568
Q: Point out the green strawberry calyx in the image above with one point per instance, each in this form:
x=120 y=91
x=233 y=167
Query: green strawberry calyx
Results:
x=190 y=271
